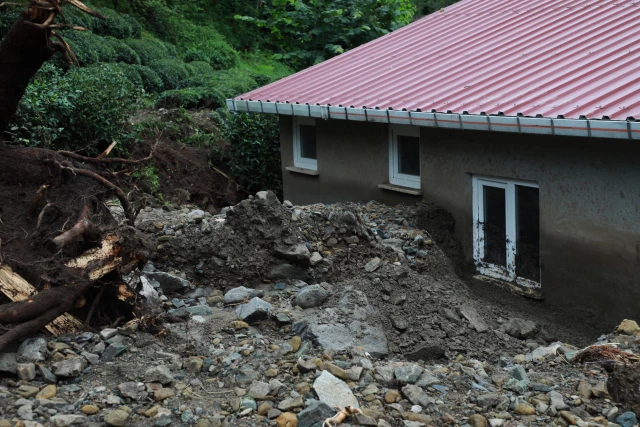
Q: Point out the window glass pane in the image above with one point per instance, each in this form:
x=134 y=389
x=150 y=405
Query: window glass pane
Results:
x=308 y=142
x=495 y=226
x=528 y=233
x=409 y=155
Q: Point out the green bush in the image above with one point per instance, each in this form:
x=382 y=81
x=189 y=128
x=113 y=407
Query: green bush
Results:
x=149 y=49
x=200 y=68
x=151 y=81
x=192 y=97
x=89 y=48
x=84 y=107
x=201 y=43
x=234 y=82
x=123 y=53
x=131 y=73
x=117 y=25
x=171 y=71
x=252 y=151
x=75 y=16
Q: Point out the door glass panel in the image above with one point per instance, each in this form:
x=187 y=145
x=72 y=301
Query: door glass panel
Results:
x=495 y=226
x=409 y=155
x=308 y=142
x=528 y=233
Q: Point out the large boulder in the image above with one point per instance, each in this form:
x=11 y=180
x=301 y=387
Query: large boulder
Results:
x=168 y=282
x=297 y=254
x=255 y=309
x=311 y=296
x=521 y=328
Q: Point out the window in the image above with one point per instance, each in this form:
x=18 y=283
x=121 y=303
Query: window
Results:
x=506 y=232
x=304 y=143
x=404 y=156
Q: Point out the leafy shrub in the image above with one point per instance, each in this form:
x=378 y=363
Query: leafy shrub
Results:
x=73 y=110
x=75 y=16
x=252 y=151
x=149 y=49
x=200 y=68
x=117 y=25
x=89 y=48
x=192 y=97
x=205 y=44
x=131 y=73
x=234 y=82
x=171 y=71
x=123 y=53
x=151 y=81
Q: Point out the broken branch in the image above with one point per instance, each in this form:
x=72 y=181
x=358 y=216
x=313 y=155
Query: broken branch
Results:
x=102 y=160
x=81 y=229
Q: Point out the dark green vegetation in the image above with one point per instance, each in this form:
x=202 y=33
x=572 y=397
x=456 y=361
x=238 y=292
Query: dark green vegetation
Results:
x=189 y=54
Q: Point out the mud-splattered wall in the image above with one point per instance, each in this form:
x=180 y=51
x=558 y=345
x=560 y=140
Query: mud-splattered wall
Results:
x=589 y=198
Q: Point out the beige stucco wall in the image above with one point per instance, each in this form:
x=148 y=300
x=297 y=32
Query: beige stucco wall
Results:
x=589 y=198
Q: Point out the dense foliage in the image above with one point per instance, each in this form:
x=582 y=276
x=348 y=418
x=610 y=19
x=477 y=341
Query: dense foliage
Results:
x=306 y=32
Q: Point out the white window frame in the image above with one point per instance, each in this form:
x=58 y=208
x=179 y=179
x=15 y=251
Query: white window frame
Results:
x=395 y=177
x=498 y=272
x=298 y=160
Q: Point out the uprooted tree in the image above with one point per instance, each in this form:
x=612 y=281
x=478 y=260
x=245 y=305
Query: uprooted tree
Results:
x=61 y=250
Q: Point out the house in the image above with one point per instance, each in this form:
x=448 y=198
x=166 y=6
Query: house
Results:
x=516 y=116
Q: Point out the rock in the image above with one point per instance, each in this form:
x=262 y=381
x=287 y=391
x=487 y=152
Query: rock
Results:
x=240 y=294
x=90 y=409
x=27 y=391
x=47 y=375
x=297 y=254
x=288 y=272
x=428 y=351
x=187 y=416
x=291 y=404
x=391 y=396
x=238 y=325
x=315 y=412
x=33 y=350
x=600 y=390
x=163 y=394
x=200 y=310
x=556 y=401
x=339 y=337
x=108 y=333
x=477 y=420
x=628 y=327
x=68 y=420
x=48 y=392
x=255 y=309
x=158 y=374
x=474 y=318
x=116 y=418
x=408 y=373
x=288 y=419
x=627 y=419
x=400 y=323
x=193 y=364
x=416 y=395
x=8 y=363
x=295 y=342
x=311 y=296
x=25 y=412
x=112 y=351
x=168 y=282
x=333 y=391
x=259 y=388
x=492 y=400
x=568 y=417
x=315 y=259
x=133 y=390
x=70 y=367
x=264 y=408
x=373 y=265
x=524 y=409
x=521 y=328
x=26 y=371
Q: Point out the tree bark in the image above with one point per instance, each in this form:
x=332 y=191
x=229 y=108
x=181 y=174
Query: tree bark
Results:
x=22 y=52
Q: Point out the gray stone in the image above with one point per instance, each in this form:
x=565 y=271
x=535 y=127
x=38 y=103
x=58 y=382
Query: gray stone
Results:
x=33 y=350
x=187 y=416
x=297 y=254
x=428 y=351
x=373 y=265
x=70 y=367
x=400 y=323
x=133 y=390
x=94 y=359
x=68 y=420
x=108 y=333
x=47 y=375
x=259 y=388
x=340 y=337
x=168 y=282
x=474 y=318
x=315 y=259
x=311 y=296
x=556 y=401
x=315 y=412
x=409 y=373
x=255 y=309
x=200 y=310
x=333 y=391
x=8 y=363
x=26 y=371
x=520 y=328
x=25 y=412
x=112 y=351
x=158 y=374
x=493 y=400
x=417 y=396
x=627 y=419
x=288 y=272
x=291 y=404
x=117 y=418
x=240 y=294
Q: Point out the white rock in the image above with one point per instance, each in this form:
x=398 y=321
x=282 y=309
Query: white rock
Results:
x=334 y=392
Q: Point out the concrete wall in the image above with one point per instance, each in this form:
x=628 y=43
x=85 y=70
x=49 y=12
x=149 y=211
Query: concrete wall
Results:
x=589 y=198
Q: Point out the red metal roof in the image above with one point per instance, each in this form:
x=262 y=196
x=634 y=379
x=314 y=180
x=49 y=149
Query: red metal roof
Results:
x=552 y=58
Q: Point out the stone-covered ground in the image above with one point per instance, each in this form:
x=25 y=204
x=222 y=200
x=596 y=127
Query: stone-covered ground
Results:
x=271 y=314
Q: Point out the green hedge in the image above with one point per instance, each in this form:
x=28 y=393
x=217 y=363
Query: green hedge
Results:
x=151 y=81
x=192 y=97
x=149 y=49
x=116 y=25
x=89 y=48
x=171 y=71
x=123 y=52
x=131 y=73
